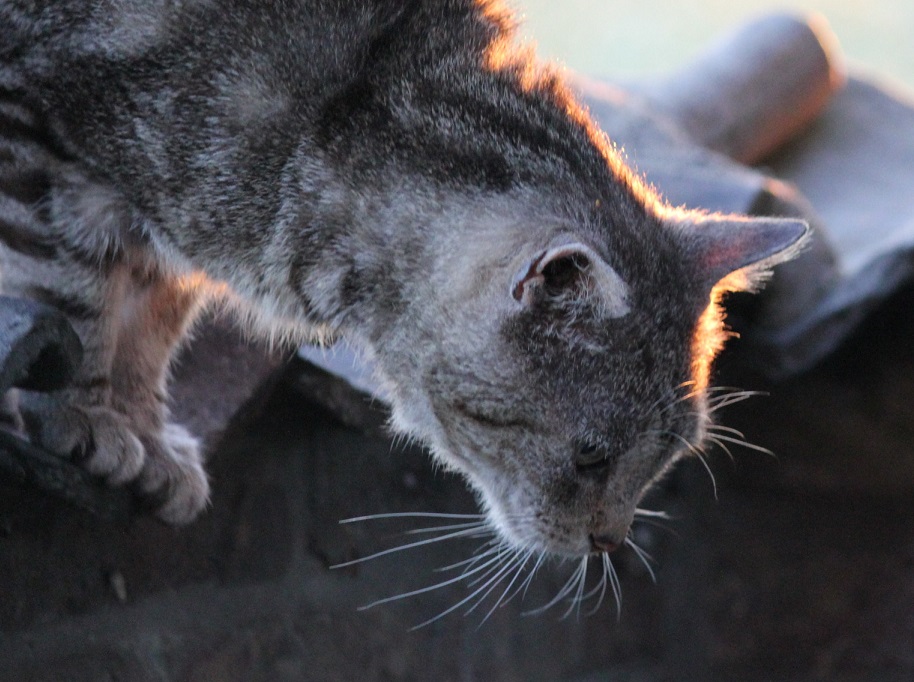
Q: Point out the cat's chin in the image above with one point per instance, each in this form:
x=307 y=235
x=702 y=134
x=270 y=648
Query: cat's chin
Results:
x=518 y=519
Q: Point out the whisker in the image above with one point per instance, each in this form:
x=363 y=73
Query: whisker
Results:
x=677 y=401
x=505 y=554
x=731 y=390
x=601 y=586
x=579 y=590
x=726 y=429
x=657 y=524
x=494 y=546
x=644 y=556
x=461 y=602
x=722 y=446
x=704 y=463
x=689 y=445
x=466 y=533
x=744 y=444
x=614 y=582
x=428 y=588
x=701 y=457
x=653 y=518
x=566 y=588
x=522 y=588
x=685 y=384
x=731 y=399
x=596 y=587
x=504 y=573
x=501 y=601
x=481 y=525
x=412 y=515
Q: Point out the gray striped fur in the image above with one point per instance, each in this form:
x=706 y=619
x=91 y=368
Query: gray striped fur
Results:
x=394 y=172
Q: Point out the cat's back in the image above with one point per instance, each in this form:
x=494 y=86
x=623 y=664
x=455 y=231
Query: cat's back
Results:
x=308 y=44
x=146 y=84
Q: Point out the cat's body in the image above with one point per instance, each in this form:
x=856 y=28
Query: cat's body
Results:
x=388 y=171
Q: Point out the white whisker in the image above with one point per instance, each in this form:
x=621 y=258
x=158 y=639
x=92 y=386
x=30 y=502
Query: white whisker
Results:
x=654 y=518
x=504 y=573
x=481 y=525
x=744 y=444
x=614 y=582
x=566 y=588
x=494 y=546
x=722 y=446
x=643 y=556
x=496 y=577
x=521 y=564
x=707 y=467
x=522 y=588
x=723 y=401
x=656 y=404
x=657 y=524
x=698 y=453
x=412 y=515
x=467 y=533
x=506 y=554
x=576 y=599
x=601 y=586
x=726 y=429
x=429 y=588
x=725 y=391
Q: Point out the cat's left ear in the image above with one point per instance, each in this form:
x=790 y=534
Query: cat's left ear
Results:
x=721 y=245
x=571 y=269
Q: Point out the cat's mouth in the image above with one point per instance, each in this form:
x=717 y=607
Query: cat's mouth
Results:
x=551 y=499
x=524 y=520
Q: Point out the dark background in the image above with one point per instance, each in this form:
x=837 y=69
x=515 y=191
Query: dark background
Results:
x=802 y=568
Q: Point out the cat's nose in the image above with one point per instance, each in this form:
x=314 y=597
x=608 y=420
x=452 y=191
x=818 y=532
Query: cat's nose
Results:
x=604 y=543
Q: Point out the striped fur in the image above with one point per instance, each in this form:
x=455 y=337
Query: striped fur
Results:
x=391 y=171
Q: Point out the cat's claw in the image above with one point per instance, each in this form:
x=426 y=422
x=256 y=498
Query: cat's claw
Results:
x=113 y=450
x=97 y=438
x=173 y=475
x=166 y=466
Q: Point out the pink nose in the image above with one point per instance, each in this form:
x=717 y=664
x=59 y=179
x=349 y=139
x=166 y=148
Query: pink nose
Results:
x=600 y=543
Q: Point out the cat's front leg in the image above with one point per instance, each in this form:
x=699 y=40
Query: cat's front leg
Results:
x=67 y=242
x=78 y=422
x=155 y=314
x=114 y=417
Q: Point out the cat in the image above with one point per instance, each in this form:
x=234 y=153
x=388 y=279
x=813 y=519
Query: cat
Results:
x=398 y=173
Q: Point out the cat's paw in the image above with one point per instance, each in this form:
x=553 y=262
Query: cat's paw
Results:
x=173 y=475
x=95 y=437
x=167 y=466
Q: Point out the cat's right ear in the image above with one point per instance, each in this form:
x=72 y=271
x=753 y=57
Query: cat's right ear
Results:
x=571 y=270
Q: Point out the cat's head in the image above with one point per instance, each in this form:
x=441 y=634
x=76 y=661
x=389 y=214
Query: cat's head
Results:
x=563 y=368
x=542 y=320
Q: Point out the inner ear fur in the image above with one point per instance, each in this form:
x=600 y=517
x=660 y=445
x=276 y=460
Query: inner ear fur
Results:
x=571 y=269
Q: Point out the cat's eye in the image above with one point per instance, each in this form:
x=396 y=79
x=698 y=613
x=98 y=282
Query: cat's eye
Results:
x=589 y=456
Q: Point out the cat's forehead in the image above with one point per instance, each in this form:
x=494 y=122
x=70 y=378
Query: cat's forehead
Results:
x=587 y=360
x=606 y=217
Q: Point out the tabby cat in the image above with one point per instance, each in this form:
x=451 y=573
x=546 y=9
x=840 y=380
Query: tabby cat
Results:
x=395 y=172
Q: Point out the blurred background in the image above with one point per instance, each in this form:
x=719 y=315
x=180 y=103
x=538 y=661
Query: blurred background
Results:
x=625 y=38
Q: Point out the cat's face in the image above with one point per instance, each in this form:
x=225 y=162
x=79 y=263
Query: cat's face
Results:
x=570 y=372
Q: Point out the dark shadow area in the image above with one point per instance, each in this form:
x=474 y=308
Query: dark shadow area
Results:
x=801 y=569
